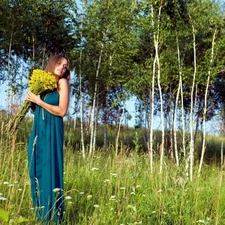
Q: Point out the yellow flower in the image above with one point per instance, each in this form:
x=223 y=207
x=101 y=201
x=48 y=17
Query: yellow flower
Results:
x=39 y=82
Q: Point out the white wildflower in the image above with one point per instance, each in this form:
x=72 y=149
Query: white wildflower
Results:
x=106 y=180
x=113 y=197
x=114 y=174
x=68 y=197
x=96 y=206
x=56 y=190
x=204 y=221
x=89 y=196
x=94 y=169
x=3 y=198
x=201 y=221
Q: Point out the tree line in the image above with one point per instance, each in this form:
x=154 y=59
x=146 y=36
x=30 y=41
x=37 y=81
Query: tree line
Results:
x=169 y=54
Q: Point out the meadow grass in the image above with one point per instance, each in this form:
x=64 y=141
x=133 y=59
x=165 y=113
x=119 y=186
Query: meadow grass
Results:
x=105 y=189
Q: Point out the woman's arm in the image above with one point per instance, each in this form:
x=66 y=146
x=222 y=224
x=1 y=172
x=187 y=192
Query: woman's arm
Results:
x=59 y=110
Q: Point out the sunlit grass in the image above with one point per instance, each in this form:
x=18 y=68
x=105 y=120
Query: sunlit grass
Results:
x=108 y=189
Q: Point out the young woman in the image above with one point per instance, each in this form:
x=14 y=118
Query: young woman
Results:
x=45 y=146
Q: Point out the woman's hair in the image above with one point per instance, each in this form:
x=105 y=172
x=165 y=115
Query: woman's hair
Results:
x=52 y=62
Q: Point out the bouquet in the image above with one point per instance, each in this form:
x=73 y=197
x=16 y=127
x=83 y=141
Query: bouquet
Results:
x=39 y=82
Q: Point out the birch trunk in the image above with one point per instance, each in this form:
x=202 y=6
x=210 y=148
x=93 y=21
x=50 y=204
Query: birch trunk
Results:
x=182 y=118
x=105 y=136
x=191 y=154
x=156 y=44
x=174 y=124
x=95 y=131
x=81 y=94
x=205 y=105
x=176 y=103
x=151 y=121
x=91 y=149
x=118 y=132
x=9 y=90
x=170 y=123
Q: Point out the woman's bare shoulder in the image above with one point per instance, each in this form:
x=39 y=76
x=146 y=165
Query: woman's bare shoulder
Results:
x=63 y=84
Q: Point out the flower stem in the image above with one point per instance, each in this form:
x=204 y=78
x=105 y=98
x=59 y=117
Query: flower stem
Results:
x=15 y=121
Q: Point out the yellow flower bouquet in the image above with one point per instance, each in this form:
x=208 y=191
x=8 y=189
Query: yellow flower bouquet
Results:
x=39 y=82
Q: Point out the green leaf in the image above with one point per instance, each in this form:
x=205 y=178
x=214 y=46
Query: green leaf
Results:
x=4 y=215
x=21 y=220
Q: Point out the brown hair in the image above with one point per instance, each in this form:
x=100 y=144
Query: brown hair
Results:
x=53 y=60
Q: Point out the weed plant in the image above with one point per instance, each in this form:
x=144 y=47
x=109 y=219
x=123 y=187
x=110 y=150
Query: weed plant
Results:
x=105 y=189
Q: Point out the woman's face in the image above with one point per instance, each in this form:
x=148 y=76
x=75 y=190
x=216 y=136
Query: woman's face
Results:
x=61 y=67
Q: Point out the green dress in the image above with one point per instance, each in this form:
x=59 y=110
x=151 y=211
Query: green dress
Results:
x=45 y=158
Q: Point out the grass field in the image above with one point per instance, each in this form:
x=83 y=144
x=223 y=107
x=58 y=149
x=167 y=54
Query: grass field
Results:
x=115 y=190
x=109 y=189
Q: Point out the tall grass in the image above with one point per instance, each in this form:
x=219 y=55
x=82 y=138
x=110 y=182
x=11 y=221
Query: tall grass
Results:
x=108 y=189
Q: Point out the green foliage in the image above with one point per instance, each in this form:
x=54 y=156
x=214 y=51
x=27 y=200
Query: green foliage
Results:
x=106 y=25
x=4 y=215
x=105 y=189
x=5 y=218
x=33 y=29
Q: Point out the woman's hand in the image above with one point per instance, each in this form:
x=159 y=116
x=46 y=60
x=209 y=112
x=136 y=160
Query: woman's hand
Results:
x=33 y=98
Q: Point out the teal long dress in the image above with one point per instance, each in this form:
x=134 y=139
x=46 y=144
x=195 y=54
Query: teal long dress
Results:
x=45 y=158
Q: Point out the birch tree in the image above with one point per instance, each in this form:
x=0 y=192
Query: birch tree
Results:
x=108 y=41
x=205 y=102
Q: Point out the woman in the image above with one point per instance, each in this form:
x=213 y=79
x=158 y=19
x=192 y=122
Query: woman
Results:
x=45 y=147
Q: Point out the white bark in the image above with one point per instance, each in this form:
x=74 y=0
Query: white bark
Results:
x=205 y=105
x=91 y=149
x=177 y=100
x=191 y=154
x=151 y=121
x=118 y=131
x=81 y=95
x=156 y=44
x=182 y=117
